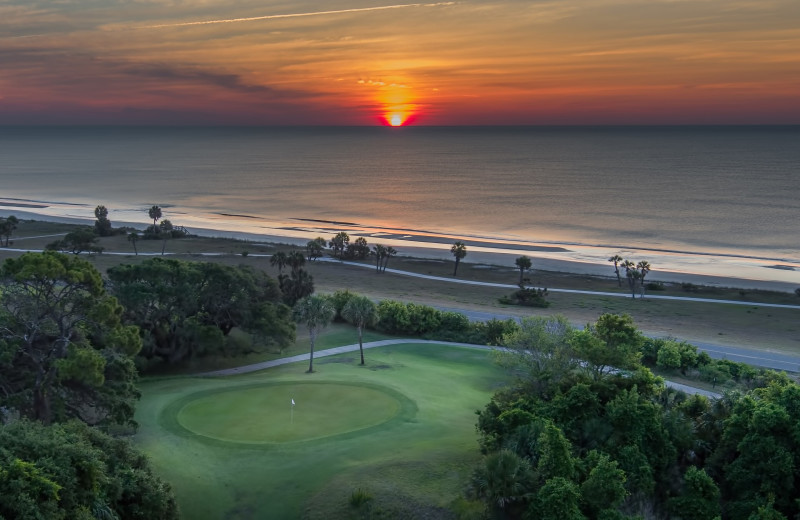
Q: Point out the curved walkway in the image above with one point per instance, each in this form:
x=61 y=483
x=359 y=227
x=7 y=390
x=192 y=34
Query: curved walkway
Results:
x=255 y=367
x=570 y=291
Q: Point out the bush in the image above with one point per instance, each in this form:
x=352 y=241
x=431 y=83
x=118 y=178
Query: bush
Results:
x=655 y=286
x=528 y=297
x=797 y=291
x=359 y=497
x=339 y=299
x=689 y=287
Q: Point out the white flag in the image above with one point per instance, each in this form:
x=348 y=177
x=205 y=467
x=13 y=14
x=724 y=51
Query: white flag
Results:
x=292 y=402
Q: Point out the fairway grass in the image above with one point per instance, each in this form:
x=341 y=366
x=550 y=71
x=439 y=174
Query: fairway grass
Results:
x=264 y=413
x=402 y=427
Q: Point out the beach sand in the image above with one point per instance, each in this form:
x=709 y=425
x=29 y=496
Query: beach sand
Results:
x=785 y=278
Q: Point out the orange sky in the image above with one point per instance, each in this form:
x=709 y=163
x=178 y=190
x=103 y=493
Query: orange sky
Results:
x=344 y=62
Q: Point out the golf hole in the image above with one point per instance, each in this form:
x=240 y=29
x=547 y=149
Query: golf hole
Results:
x=264 y=414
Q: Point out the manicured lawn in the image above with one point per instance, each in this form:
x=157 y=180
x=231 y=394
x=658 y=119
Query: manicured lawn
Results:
x=403 y=428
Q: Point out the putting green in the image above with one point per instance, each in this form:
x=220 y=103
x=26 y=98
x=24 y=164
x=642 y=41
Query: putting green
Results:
x=264 y=413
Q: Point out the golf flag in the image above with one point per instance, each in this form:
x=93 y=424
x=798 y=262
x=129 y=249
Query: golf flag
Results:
x=292 y=401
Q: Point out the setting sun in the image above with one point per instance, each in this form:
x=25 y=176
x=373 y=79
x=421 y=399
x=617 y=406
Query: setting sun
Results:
x=395 y=120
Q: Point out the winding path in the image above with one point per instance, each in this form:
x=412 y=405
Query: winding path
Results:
x=255 y=367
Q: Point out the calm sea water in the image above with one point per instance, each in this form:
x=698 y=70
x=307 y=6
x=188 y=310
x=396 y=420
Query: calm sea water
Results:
x=723 y=199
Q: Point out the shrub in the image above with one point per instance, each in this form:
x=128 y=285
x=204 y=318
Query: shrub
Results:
x=339 y=299
x=359 y=497
x=689 y=287
x=797 y=291
x=655 y=286
x=528 y=297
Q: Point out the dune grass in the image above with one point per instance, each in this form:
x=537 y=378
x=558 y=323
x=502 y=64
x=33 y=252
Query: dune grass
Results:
x=412 y=459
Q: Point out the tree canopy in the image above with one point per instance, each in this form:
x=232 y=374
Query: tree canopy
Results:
x=63 y=349
x=187 y=309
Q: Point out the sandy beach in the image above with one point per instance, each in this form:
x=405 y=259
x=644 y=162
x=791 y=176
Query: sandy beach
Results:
x=785 y=278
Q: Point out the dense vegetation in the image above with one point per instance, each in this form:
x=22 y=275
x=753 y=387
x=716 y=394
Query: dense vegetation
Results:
x=187 y=309
x=577 y=438
x=66 y=362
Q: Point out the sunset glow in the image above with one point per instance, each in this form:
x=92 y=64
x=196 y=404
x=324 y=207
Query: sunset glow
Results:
x=444 y=63
x=396 y=120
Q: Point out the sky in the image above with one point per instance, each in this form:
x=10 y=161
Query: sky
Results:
x=358 y=62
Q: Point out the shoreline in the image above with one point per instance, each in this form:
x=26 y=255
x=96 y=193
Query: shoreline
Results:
x=544 y=257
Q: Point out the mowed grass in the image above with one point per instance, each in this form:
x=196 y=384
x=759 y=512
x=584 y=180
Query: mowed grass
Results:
x=406 y=434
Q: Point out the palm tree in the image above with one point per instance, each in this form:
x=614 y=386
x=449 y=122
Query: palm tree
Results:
x=643 y=267
x=165 y=228
x=390 y=252
x=523 y=263
x=279 y=260
x=316 y=312
x=314 y=248
x=379 y=250
x=632 y=275
x=339 y=243
x=295 y=260
x=459 y=251
x=361 y=312
x=155 y=214
x=616 y=259
x=133 y=237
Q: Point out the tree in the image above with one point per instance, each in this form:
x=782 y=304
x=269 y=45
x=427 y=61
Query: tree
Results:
x=296 y=261
x=7 y=227
x=279 y=260
x=604 y=487
x=632 y=275
x=361 y=312
x=616 y=259
x=643 y=267
x=102 y=225
x=72 y=471
x=339 y=243
x=459 y=251
x=539 y=353
x=297 y=285
x=155 y=214
x=358 y=250
x=165 y=231
x=379 y=250
x=314 y=248
x=557 y=499
x=502 y=480
x=63 y=350
x=316 y=312
x=523 y=263
x=133 y=237
x=390 y=252
x=611 y=342
x=700 y=497
x=76 y=242
x=187 y=309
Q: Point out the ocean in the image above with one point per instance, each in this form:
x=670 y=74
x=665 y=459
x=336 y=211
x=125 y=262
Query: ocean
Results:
x=709 y=200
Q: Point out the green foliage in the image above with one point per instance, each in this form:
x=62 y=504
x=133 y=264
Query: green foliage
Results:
x=102 y=226
x=459 y=251
x=502 y=480
x=339 y=299
x=316 y=312
x=611 y=342
x=7 y=227
x=315 y=248
x=63 y=349
x=699 y=499
x=539 y=353
x=360 y=497
x=557 y=499
x=604 y=486
x=361 y=312
x=669 y=357
x=81 y=240
x=527 y=297
x=187 y=309
x=71 y=471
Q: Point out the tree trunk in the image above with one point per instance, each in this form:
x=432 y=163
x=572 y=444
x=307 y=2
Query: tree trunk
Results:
x=521 y=271
x=163 y=247
x=361 y=343
x=311 y=334
x=455 y=270
x=619 y=279
x=136 y=251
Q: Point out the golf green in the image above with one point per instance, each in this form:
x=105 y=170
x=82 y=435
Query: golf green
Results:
x=263 y=414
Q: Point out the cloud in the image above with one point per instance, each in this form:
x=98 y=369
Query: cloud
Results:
x=296 y=15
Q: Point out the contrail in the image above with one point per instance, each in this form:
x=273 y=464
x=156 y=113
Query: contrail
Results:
x=297 y=15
